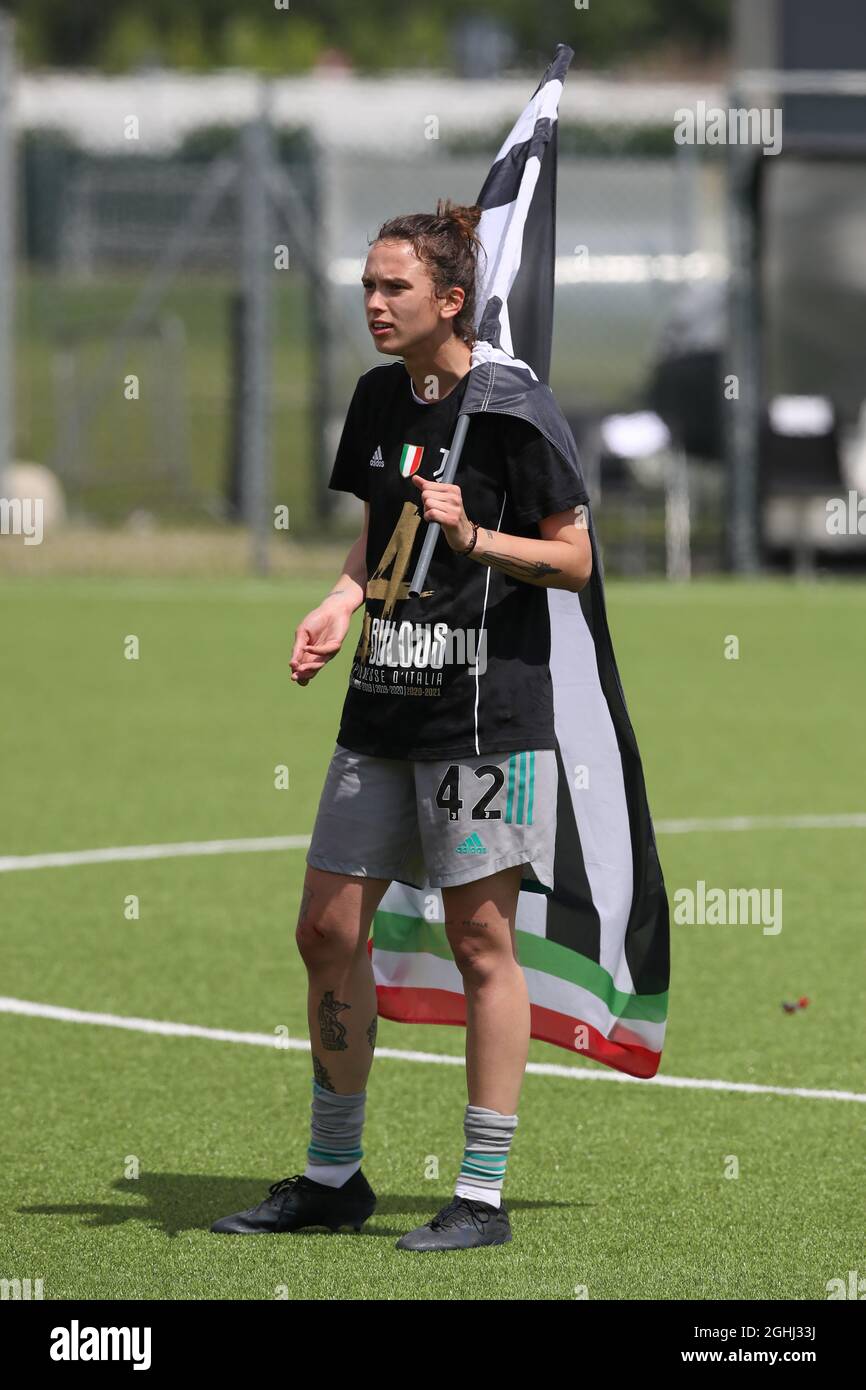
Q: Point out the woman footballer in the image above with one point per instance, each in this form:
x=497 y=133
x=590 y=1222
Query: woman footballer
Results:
x=444 y=770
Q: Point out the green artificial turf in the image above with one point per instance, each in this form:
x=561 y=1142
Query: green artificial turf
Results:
x=618 y=1188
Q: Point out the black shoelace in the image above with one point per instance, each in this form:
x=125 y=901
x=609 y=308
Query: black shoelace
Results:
x=284 y=1185
x=479 y=1215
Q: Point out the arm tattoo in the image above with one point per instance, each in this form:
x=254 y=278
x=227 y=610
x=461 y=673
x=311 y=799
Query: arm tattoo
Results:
x=332 y=1030
x=321 y=1075
x=518 y=569
x=371 y=1032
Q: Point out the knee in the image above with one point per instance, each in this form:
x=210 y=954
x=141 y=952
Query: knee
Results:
x=319 y=939
x=472 y=952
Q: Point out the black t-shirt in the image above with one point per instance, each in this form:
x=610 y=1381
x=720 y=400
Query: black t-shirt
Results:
x=463 y=669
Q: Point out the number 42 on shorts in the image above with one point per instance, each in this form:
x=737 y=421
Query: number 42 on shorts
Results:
x=519 y=794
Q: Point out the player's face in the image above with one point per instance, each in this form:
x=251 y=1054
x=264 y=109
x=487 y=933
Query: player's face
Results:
x=399 y=301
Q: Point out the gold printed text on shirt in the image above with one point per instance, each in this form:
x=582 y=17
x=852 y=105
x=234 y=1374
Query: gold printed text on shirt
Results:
x=394 y=588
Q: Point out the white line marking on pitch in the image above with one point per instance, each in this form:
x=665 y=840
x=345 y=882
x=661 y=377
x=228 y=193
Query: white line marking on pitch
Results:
x=855 y=820
x=126 y=852
x=193 y=1030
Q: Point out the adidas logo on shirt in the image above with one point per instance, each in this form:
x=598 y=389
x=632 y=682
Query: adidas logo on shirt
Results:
x=377 y=460
x=473 y=844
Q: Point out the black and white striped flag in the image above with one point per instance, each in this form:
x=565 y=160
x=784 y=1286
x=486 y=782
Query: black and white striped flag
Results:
x=595 y=950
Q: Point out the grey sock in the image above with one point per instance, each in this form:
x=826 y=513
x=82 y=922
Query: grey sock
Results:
x=488 y=1139
x=334 y=1151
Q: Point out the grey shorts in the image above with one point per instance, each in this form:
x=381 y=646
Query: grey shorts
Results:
x=435 y=824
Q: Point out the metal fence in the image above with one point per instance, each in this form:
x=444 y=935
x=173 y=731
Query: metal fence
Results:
x=148 y=259
x=164 y=323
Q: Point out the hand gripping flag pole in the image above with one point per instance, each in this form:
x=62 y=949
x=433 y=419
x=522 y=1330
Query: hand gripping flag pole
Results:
x=433 y=527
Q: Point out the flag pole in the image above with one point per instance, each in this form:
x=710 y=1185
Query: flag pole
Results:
x=495 y=293
x=434 y=527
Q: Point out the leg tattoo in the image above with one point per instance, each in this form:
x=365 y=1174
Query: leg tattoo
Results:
x=332 y=1030
x=321 y=1075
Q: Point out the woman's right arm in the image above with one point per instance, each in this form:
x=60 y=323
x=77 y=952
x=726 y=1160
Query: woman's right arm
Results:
x=351 y=587
x=320 y=634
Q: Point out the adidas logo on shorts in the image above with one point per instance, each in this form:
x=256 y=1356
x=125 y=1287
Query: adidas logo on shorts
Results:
x=377 y=461
x=473 y=844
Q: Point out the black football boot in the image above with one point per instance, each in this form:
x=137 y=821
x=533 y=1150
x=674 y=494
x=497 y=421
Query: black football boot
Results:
x=463 y=1224
x=299 y=1201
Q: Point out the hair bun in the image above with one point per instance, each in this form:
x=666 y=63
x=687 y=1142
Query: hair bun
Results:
x=463 y=216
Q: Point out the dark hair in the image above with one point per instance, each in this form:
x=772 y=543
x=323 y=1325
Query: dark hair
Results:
x=445 y=241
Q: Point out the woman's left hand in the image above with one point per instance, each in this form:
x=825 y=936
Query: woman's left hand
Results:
x=443 y=502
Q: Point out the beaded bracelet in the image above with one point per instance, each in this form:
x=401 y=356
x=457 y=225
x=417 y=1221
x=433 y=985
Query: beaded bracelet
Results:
x=471 y=545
